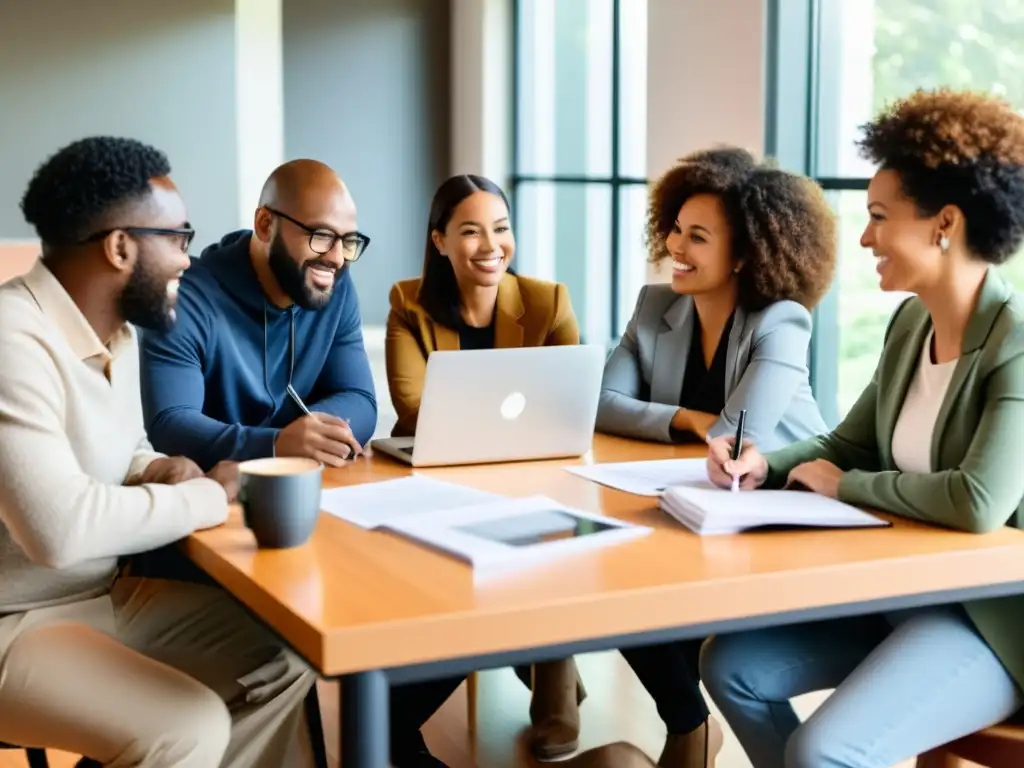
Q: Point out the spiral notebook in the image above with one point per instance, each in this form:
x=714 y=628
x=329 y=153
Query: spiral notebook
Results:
x=712 y=511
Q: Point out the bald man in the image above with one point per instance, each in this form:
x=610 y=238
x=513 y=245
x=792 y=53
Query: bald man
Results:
x=261 y=310
x=268 y=328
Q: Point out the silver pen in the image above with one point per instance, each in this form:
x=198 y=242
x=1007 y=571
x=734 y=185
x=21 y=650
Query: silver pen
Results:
x=298 y=400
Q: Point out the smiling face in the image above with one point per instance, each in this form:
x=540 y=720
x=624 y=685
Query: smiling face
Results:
x=151 y=290
x=700 y=245
x=904 y=242
x=478 y=241
x=308 y=237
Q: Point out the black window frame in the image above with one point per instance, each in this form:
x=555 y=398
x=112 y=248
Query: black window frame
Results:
x=798 y=33
x=616 y=181
x=795 y=34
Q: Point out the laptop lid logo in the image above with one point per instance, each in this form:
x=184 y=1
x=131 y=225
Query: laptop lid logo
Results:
x=513 y=406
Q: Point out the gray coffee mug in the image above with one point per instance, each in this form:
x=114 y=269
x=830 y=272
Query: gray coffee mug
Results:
x=280 y=499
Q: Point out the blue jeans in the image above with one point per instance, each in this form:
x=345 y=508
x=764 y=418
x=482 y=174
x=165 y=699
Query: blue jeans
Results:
x=905 y=682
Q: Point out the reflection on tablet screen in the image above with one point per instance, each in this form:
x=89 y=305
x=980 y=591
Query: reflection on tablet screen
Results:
x=534 y=528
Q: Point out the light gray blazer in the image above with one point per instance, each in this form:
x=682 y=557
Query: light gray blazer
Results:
x=766 y=372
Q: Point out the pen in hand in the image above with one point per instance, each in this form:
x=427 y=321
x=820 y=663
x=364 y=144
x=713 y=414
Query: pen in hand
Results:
x=737 y=448
x=302 y=407
x=298 y=400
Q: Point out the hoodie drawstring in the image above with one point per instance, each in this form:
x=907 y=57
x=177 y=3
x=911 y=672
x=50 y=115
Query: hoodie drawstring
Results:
x=266 y=349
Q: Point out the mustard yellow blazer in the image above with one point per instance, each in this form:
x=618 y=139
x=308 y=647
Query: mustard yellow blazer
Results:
x=530 y=313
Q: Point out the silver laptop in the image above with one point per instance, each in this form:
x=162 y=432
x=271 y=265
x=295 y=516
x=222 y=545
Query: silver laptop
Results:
x=490 y=405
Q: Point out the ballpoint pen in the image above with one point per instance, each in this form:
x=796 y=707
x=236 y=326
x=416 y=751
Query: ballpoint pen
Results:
x=298 y=400
x=737 y=447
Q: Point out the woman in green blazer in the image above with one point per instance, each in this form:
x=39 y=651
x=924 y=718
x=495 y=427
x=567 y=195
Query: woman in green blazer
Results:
x=937 y=436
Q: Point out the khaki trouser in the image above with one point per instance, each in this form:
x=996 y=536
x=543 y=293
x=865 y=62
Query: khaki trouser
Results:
x=156 y=674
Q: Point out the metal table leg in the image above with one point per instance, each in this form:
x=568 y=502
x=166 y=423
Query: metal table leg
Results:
x=364 y=720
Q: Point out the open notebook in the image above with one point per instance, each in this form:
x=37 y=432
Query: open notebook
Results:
x=710 y=511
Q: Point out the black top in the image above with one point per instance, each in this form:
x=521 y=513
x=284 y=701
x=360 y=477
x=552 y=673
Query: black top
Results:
x=476 y=338
x=703 y=387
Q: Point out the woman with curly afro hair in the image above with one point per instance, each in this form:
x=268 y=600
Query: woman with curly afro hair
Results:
x=753 y=250
x=935 y=437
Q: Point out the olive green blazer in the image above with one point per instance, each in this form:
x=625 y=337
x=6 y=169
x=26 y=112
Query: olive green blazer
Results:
x=977 y=448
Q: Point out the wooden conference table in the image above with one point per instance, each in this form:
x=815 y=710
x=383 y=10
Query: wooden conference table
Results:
x=374 y=609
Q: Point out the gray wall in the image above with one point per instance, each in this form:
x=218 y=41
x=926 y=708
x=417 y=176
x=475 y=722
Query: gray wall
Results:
x=366 y=91
x=161 y=72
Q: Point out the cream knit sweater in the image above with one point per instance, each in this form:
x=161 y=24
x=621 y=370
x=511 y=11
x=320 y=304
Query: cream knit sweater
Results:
x=71 y=435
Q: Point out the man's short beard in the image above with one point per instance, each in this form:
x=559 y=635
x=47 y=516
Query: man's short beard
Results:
x=292 y=277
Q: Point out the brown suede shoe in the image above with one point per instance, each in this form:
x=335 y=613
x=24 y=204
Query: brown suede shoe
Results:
x=696 y=749
x=617 y=755
x=555 y=710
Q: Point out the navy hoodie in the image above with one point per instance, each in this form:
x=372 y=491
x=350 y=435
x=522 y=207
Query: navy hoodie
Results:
x=213 y=387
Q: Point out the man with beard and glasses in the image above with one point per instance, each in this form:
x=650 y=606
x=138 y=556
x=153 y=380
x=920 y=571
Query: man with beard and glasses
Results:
x=267 y=356
x=122 y=669
x=269 y=319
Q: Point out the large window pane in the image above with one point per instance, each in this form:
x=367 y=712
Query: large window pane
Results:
x=632 y=250
x=874 y=51
x=633 y=89
x=864 y=309
x=564 y=87
x=562 y=234
x=1013 y=271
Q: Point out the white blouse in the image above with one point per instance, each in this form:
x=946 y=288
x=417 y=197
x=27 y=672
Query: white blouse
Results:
x=915 y=426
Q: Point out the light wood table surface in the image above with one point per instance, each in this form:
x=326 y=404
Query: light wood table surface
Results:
x=353 y=601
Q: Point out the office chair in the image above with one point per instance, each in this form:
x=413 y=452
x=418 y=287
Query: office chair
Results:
x=36 y=757
x=1001 y=746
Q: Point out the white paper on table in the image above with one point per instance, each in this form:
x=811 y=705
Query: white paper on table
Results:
x=371 y=505
x=511 y=533
x=647 y=478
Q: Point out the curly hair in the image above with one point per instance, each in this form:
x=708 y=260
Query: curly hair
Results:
x=782 y=226
x=73 y=193
x=957 y=148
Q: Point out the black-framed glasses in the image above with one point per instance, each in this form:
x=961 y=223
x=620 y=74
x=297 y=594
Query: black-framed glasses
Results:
x=321 y=241
x=184 y=234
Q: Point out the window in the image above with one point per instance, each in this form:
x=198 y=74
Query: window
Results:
x=863 y=55
x=579 y=186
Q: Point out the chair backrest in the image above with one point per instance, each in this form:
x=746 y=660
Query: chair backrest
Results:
x=17 y=257
x=36 y=757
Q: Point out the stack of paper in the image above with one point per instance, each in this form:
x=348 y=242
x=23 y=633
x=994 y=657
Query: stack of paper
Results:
x=646 y=478
x=711 y=511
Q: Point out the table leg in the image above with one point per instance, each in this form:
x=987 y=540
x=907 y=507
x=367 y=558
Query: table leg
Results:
x=364 y=720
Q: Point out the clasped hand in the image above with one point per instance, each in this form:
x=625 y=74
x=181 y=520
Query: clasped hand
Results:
x=171 y=470
x=820 y=476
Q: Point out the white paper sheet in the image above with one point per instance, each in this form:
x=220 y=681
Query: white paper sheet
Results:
x=646 y=478
x=372 y=505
